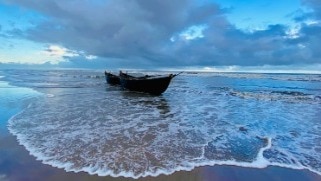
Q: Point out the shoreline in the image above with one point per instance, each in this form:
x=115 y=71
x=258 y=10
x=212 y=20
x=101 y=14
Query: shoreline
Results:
x=17 y=164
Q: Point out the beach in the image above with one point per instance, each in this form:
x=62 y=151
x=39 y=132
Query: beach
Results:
x=17 y=165
x=160 y=90
x=235 y=127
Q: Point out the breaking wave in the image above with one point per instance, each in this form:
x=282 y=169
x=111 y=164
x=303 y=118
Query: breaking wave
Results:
x=103 y=130
x=287 y=96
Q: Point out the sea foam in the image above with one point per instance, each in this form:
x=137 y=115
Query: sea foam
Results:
x=198 y=121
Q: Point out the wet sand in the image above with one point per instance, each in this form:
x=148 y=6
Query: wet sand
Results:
x=17 y=165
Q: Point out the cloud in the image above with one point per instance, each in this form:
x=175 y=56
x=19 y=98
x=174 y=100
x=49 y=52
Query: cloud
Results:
x=315 y=69
x=3 y=177
x=310 y=32
x=91 y=57
x=315 y=5
x=160 y=33
x=57 y=51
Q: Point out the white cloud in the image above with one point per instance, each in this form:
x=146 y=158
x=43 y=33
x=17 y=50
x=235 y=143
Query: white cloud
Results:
x=193 y=32
x=312 y=22
x=190 y=33
x=301 y=46
x=309 y=69
x=293 y=32
x=90 y=57
x=27 y=52
x=59 y=52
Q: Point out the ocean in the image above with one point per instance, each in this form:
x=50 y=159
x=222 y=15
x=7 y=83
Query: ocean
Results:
x=72 y=119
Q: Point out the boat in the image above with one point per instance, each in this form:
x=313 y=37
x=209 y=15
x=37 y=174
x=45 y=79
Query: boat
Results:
x=154 y=85
x=112 y=78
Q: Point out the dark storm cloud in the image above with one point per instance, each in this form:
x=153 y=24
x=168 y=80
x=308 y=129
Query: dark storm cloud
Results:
x=140 y=31
x=315 y=5
x=229 y=46
x=310 y=33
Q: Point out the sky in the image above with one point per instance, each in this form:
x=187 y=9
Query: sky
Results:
x=210 y=35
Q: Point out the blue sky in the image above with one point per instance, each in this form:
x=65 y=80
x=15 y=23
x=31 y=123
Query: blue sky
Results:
x=205 y=34
x=256 y=14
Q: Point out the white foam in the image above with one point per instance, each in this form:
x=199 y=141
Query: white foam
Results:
x=259 y=162
x=50 y=95
x=275 y=96
x=111 y=133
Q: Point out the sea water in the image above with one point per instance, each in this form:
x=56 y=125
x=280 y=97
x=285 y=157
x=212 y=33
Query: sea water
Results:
x=79 y=123
x=12 y=100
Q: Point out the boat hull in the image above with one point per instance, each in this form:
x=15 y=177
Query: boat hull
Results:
x=112 y=79
x=151 y=85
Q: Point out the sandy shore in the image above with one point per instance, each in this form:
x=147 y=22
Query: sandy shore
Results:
x=17 y=165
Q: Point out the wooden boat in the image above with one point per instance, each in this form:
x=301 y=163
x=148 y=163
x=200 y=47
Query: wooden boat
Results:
x=155 y=85
x=112 y=79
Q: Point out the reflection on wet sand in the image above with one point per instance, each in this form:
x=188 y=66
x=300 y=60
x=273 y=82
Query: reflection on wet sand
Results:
x=146 y=100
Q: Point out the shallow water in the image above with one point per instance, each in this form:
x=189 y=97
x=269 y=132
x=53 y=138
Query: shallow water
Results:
x=12 y=100
x=80 y=123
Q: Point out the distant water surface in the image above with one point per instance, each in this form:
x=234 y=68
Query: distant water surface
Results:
x=79 y=123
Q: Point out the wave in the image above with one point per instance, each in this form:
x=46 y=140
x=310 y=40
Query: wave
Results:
x=286 y=96
x=102 y=130
x=271 y=76
x=290 y=93
x=140 y=139
x=55 y=79
x=101 y=165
